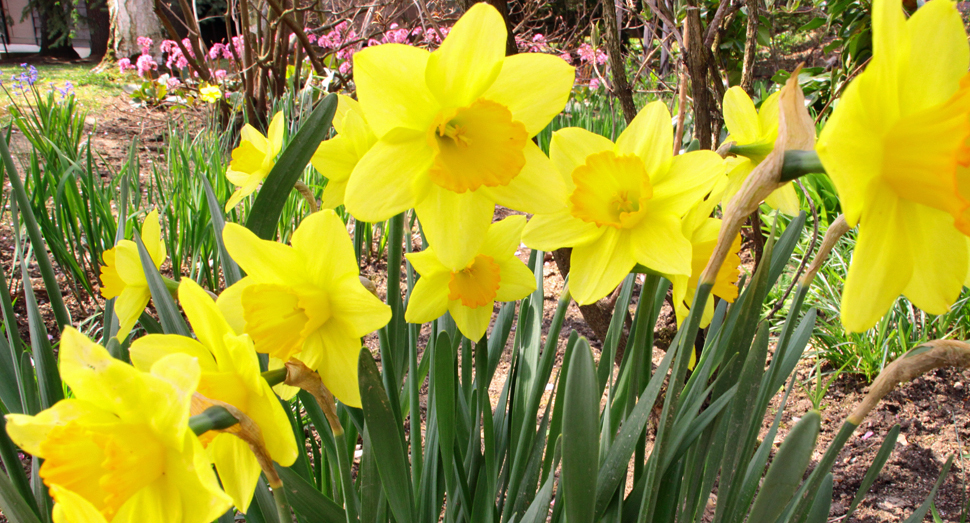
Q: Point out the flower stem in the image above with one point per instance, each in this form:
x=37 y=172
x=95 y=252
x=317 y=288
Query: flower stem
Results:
x=275 y=376
x=346 y=482
x=282 y=506
x=212 y=418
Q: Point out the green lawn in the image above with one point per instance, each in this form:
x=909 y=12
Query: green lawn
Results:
x=92 y=89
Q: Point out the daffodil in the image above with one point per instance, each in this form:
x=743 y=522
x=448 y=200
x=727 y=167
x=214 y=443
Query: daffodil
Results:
x=210 y=93
x=757 y=130
x=122 y=276
x=254 y=158
x=336 y=158
x=453 y=132
x=230 y=373
x=304 y=300
x=625 y=203
x=702 y=230
x=470 y=293
x=896 y=150
x=121 y=448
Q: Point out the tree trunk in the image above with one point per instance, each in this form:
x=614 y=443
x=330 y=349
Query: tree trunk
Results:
x=99 y=21
x=697 y=68
x=131 y=19
x=55 y=27
x=617 y=65
x=750 y=45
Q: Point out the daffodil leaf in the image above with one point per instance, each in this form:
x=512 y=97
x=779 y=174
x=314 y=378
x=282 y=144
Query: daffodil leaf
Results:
x=230 y=270
x=265 y=214
x=168 y=313
x=11 y=462
x=580 y=437
x=307 y=501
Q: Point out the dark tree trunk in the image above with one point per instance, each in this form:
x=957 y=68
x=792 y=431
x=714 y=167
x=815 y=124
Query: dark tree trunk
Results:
x=697 y=68
x=53 y=41
x=750 y=45
x=99 y=21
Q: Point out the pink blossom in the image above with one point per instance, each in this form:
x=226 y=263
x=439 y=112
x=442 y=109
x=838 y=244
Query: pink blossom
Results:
x=125 y=65
x=417 y=30
x=345 y=67
x=145 y=64
x=188 y=46
x=586 y=53
x=594 y=84
x=312 y=38
x=372 y=42
x=215 y=51
x=237 y=44
x=145 y=43
x=173 y=83
x=220 y=74
x=538 y=38
x=600 y=57
x=567 y=57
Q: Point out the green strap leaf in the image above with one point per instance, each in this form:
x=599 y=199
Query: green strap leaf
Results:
x=265 y=214
x=306 y=500
x=787 y=469
x=580 y=436
x=920 y=513
x=230 y=270
x=388 y=442
x=12 y=504
x=168 y=313
x=885 y=450
x=819 y=512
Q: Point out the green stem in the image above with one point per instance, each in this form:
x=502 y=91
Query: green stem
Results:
x=282 y=506
x=800 y=163
x=172 y=286
x=213 y=418
x=275 y=377
x=346 y=482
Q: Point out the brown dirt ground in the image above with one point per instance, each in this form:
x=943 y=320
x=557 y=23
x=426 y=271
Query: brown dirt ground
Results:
x=931 y=410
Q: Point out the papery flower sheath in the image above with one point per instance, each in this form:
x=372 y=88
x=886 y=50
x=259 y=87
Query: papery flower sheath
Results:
x=254 y=158
x=121 y=448
x=470 y=293
x=453 y=132
x=304 y=300
x=896 y=150
x=230 y=373
x=757 y=130
x=625 y=203
x=336 y=158
x=122 y=275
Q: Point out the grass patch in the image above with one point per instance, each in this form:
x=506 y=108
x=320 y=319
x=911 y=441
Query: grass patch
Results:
x=92 y=90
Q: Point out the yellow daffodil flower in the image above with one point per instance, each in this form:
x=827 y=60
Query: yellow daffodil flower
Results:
x=254 y=159
x=210 y=93
x=230 y=373
x=122 y=276
x=121 y=448
x=453 y=132
x=337 y=157
x=896 y=149
x=625 y=204
x=469 y=294
x=757 y=130
x=702 y=230
x=305 y=300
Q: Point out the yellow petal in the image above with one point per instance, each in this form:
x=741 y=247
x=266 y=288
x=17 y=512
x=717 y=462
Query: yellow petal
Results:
x=129 y=306
x=111 y=282
x=242 y=193
x=938 y=56
x=363 y=311
x=785 y=199
x=333 y=194
x=659 y=244
x=386 y=180
x=391 y=87
x=426 y=262
x=191 y=478
x=535 y=87
x=266 y=410
x=237 y=467
x=274 y=319
x=571 y=146
x=250 y=135
x=268 y=260
x=472 y=322
x=517 y=280
x=940 y=259
x=649 y=136
x=335 y=158
x=207 y=321
x=274 y=135
x=740 y=117
x=428 y=300
x=145 y=351
x=469 y=59
x=231 y=307
x=690 y=178
x=151 y=235
x=345 y=106
x=560 y=229
x=73 y=508
x=29 y=432
x=338 y=348
x=176 y=378
x=536 y=189
x=503 y=237
x=455 y=224
x=882 y=264
x=323 y=241
x=597 y=268
x=768 y=117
